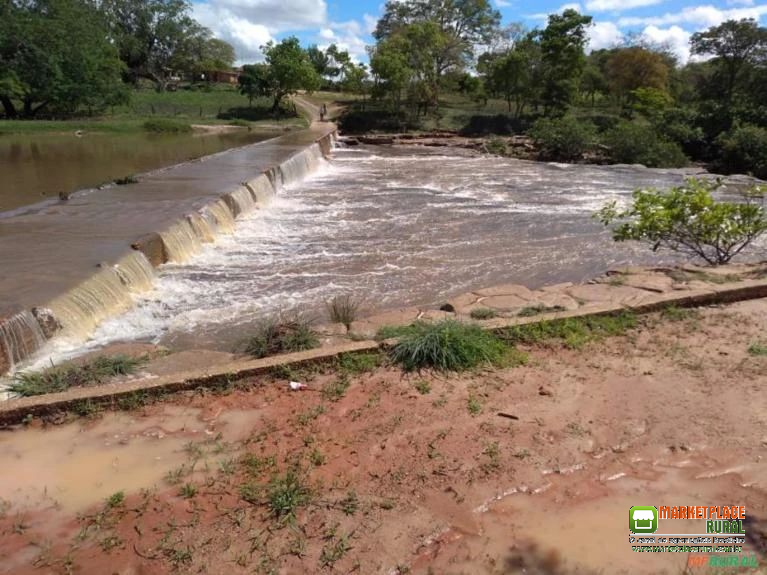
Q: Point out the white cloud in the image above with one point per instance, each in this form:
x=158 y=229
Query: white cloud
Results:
x=347 y=36
x=740 y=2
x=619 y=5
x=502 y=3
x=696 y=16
x=370 y=23
x=675 y=38
x=545 y=15
x=604 y=35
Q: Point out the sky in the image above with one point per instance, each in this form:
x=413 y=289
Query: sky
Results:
x=249 y=24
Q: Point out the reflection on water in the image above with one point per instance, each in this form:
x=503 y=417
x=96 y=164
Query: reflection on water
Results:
x=40 y=166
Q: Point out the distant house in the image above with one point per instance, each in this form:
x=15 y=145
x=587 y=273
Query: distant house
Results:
x=221 y=76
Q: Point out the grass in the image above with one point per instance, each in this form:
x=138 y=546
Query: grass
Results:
x=166 y=126
x=127 y=180
x=757 y=350
x=447 y=345
x=357 y=363
x=675 y=313
x=60 y=378
x=422 y=386
x=573 y=333
x=482 y=313
x=391 y=331
x=532 y=311
x=287 y=492
x=343 y=309
x=282 y=334
x=336 y=389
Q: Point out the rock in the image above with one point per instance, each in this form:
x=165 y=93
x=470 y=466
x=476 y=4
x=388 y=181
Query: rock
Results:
x=557 y=287
x=435 y=315
x=505 y=302
x=48 y=322
x=659 y=283
x=331 y=329
x=152 y=246
x=600 y=293
x=200 y=360
x=369 y=327
x=555 y=300
x=507 y=289
x=544 y=391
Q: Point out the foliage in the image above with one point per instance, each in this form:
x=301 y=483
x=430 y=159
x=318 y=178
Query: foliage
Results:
x=637 y=143
x=166 y=126
x=281 y=334
x=288 y=70
x=573 y=333
x=687 y=219
x=744 y=150
x=447 y=345
x=563 y=138
x=343 y=309
x=255 y=81
x=60 y=378
x=482 y=313
x=287 y=492
x=634 y=68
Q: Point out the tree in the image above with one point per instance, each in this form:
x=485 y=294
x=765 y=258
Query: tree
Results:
x=214 y=54
x=55 y=55
x=562 y=47
x=687 y=219
x=630 y=69
x=319 y=59
x=390 y=64
x=255 y=81
x=288 y=70
x=736 y=45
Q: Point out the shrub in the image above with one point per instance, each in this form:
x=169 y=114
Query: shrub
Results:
x=343 y=309
x=744 y=150
x=634 y=143
x=166 y=126
x=573 y=333
x=687 y=219
x=61 y=378
x=281 y=334
x=481 y=313
x=447 y=345
x=564 y=138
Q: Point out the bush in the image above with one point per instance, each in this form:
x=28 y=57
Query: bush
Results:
x=564 y=138
x=500 y=124
x=343 y=309
x=634 y=143
x=688 y=220
x=744 y=150
x=281 y=335
x=447 y=345
x=166 y=126
x=61 y=378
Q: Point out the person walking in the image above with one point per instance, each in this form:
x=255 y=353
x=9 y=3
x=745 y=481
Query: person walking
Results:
x=323 y=112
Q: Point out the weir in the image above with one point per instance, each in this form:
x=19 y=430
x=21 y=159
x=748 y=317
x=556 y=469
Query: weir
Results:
x=68 y=266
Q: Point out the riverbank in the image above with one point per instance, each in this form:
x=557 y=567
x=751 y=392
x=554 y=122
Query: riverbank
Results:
x=377 y=471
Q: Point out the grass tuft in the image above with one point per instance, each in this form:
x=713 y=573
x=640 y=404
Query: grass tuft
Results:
x=573 y=333
x=357 y=363
x=281 y=334
x=343 y=309
x=532 y=311
x=287 y=492
x=336 y=389
x=166 y=126
x=60 y=378
x=757 y=350
x=481 y=313
x=447 y=345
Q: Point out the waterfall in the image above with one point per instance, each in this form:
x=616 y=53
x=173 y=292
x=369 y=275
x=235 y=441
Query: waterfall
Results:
x=219 y=217
x=20 y=336
x=243 y=200
x=202 y=227
x=181 y=241
x=301 y=164
x=108 y=292
x=261 y=188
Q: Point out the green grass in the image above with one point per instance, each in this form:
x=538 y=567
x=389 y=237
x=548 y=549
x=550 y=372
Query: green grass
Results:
x=357 y=363
x=573 y=333
x=336 y=389
x=391 y=331
x=532 y=311
x=283 y=334
x=287 y=493
x=482 y=313
x=675 y=313
x=447 y=345
x=757 y=350
x=60 y=378
x=166 y=126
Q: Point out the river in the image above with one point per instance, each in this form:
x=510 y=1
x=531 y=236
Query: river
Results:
x=392 y=227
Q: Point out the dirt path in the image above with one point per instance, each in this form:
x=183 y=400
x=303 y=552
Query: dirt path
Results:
x=373 y=471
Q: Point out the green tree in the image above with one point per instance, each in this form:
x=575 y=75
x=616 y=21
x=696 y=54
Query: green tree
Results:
x=288 y=70
x=390 y=65
x=630 y=69
x=255 y=80
x=55 y=56
x=214 y=54
x=562 y=48
x=687 y=219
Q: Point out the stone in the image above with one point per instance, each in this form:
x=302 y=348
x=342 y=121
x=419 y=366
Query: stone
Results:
x=202 y=360
x=506 y=302
x=48 y=322
x=460 y=302
x=659 y=283
x=435 y=315
x=557 y=287
x=507 y=289
x=152 y=246
x=331 y=329
x=555 y=300
x=368 y=327
x=605 y=293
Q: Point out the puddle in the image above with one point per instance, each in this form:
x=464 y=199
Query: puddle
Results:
x=578 y=524
x=74 y=466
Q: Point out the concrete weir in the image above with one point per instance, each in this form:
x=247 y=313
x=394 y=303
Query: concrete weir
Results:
x=67 y=266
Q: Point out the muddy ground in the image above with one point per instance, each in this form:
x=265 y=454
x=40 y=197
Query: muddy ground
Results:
x=371 y=470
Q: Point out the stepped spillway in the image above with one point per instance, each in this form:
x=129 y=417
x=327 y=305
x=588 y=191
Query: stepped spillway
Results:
x=67 y=266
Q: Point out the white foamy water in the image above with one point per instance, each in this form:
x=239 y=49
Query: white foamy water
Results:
x=393 y=227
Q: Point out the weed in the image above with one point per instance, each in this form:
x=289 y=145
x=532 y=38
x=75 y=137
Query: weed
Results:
x=61 y=378
x=473 y=405
x=109 y=543
x=480 y=313
x=336 y=389
x=334 y=551
x=391 y=331
x=574 y=333
x=115 y=500
x=188 y=490
x=350 y=503
x=575 y=429
x=255 y=465
x=251 y=492
x=127 y=180
x=227 y=466
x=493 y=453
x=757 y=349
x=387 y=504
x=422 y=386
x=281 y=334
x=675 y=313
x=532 y=311
x=316 y=457
x=441 y=401
x=287 y=492
x=343 y=309
x=85 y=408
x=310 y=415
x=356 y=363
x=447 y=345
x=522 y=454
x=496 y=146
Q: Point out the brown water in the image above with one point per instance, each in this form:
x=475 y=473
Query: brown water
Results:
x=40 y=166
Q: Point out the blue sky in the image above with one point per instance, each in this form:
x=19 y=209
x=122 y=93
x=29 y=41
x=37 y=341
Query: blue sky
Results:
x=248 y=24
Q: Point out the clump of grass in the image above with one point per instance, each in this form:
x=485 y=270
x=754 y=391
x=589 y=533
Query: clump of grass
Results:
x=336 y=389
x=287 y=492
x=573 y=333
x=356 y=363
x=474 y=405
x=334 y=551
x=675 y=313
x=166 y=126
x=390 y=331
x=532 y=311
x=422 y=386
x=281 y=334
x=343 y=309
x=496 y=146
x=447 y=345
x=188 y=490
x=60 y=378
x=757 y=350
x=481 y=313
x=130 y=179
x=115 y=500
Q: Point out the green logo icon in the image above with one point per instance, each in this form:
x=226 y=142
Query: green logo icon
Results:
x=643 y=519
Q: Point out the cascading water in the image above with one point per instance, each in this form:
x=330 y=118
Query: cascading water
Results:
x=20 y=336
